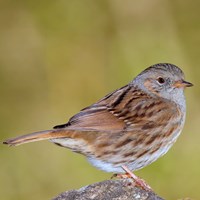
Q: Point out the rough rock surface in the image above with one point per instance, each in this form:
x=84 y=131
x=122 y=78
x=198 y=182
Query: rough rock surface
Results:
x=122 y=189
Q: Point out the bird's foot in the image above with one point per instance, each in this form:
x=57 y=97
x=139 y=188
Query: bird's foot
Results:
x=138 y=181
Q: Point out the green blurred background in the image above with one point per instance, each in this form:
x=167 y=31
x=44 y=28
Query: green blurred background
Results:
x=57 y=57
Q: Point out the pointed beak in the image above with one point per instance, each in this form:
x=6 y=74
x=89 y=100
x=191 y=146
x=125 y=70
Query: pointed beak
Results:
x=182 y=84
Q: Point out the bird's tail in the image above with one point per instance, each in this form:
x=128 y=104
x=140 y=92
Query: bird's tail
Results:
x=37 y=136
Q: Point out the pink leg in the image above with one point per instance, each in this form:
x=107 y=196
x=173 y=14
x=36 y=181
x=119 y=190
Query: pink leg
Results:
x=137 y=180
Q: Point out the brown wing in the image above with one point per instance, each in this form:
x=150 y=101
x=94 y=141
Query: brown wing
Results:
x=122 y=110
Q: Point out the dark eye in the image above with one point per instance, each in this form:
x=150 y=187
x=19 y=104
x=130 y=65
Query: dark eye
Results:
x=161 y=80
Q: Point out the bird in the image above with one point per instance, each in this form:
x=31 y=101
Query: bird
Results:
x=130 y=127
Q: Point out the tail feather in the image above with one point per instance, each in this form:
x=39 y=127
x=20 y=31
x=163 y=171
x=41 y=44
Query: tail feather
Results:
x=37 y=136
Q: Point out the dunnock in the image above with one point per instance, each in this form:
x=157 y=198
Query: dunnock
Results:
x=129 y=128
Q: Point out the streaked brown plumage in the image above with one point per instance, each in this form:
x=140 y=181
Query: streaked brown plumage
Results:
x=130 y=127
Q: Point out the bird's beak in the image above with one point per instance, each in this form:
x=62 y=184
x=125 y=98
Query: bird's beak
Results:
x=182 y=84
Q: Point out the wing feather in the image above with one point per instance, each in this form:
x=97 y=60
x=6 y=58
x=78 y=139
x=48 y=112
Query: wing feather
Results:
x=125 y=109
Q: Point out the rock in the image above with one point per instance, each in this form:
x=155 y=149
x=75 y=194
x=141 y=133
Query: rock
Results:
x=122 y=189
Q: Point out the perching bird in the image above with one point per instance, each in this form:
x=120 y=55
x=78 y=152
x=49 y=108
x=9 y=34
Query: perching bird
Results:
x=129 y=128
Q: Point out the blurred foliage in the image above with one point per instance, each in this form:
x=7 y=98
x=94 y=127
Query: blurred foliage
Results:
x=57 y=57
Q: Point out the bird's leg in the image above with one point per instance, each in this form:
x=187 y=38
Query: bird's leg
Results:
x=140 y=182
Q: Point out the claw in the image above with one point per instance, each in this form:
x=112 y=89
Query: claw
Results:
x=138 y=181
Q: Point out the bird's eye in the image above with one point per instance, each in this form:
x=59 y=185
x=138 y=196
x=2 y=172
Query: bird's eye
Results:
x=161 y=80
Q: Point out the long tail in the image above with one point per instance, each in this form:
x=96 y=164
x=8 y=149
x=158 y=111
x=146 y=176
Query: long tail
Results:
x=37 y=136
